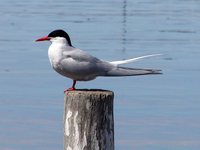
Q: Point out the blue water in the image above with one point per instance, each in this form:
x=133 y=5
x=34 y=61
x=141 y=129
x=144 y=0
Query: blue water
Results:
x=151 y=112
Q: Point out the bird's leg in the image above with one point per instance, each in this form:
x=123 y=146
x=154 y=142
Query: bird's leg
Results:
x=72 y=88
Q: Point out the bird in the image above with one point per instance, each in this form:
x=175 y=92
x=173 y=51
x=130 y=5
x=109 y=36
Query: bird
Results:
x=78 y=65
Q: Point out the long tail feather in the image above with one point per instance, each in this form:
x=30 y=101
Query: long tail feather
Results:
x=116 y=63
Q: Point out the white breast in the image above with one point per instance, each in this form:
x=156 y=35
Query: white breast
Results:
x=56 y=49
x=55 y=54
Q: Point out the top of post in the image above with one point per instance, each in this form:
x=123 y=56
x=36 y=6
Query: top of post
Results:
x=89 y=92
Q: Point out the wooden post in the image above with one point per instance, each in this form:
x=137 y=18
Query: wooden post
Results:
x=88 y=120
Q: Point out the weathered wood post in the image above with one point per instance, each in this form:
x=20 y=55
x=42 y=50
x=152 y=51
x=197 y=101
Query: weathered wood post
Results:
x=88 y=120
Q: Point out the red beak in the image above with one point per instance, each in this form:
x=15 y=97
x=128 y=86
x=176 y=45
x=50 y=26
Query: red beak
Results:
x=45 y=38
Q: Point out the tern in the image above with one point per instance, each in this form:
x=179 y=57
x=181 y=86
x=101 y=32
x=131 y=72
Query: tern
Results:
x=78 y=65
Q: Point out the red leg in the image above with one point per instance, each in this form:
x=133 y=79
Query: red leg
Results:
x=72 y=88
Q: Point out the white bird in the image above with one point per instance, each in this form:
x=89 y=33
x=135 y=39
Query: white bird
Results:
x=81 y=66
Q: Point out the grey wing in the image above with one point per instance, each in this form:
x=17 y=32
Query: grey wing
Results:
x=80 y=65
x=79 y=55
x=79 y=59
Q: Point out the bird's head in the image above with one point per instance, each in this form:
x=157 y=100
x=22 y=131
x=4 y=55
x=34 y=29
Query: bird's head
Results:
x=56 y=35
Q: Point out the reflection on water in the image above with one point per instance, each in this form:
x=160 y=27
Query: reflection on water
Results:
x=124 y=30
x=151 y=112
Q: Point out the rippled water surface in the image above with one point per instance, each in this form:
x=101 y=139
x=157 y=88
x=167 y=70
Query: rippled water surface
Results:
x=151 y=112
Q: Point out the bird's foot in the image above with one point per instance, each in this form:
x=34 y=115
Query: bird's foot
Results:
x=72 y=88
x=69 y=89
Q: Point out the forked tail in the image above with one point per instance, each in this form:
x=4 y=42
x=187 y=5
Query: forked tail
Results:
x=125 y=71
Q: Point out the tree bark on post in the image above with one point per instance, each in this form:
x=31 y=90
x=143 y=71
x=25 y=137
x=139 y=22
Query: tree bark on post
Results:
x=88 y=120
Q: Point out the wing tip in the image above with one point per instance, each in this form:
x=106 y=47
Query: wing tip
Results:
x=157 y=71
x=124 y=71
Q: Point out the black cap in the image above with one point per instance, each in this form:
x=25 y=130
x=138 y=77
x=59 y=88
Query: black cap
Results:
x=60 y=33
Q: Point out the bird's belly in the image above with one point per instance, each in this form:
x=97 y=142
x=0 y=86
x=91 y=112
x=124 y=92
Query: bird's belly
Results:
x=79 y=76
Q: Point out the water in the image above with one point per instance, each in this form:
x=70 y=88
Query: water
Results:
x=151 y=112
